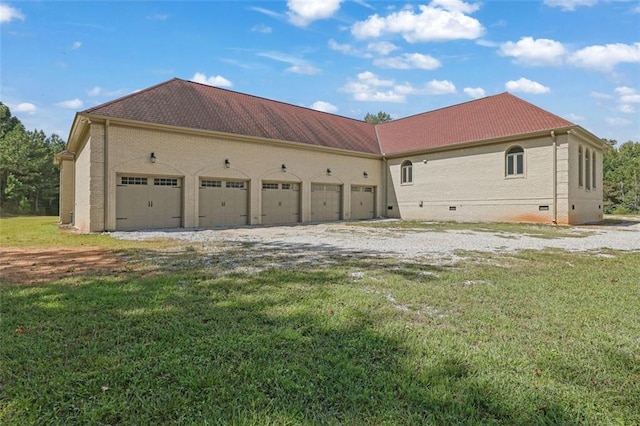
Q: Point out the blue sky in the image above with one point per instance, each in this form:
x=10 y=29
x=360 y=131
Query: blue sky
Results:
x=579 y=59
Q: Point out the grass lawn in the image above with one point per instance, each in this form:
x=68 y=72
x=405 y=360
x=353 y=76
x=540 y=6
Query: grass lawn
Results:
x=531 y=338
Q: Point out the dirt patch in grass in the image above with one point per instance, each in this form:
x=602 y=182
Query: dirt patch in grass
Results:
x=41 y=265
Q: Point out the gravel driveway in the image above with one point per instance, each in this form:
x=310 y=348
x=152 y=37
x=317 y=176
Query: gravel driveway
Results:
x=387 y=241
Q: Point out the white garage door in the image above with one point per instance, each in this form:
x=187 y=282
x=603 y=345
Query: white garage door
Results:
x=146 y=202
x=326 y=202
x=363 y=201
x=280 y=203
x=223 y=202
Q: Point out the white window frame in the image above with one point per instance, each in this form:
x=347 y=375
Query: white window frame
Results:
x=406 y=173
x=514 y=157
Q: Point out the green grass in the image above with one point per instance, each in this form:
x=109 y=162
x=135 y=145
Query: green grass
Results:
x=43 y=231
x=533 y=338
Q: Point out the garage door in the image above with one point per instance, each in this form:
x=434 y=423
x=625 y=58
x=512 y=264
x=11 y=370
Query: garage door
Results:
x=280 y=203
x=325 y=202
x=223 y=202
x=145 y=202
x=363 y=201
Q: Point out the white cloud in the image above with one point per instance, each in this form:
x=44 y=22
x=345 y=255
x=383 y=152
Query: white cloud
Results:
x=487 y=43
x=302 y=12
x=267 y=12
x=440 y=87
x=217 y=81
x=298 y=66
x=26 y=107
x=569 y=5
x=627 y=109
x=303 y=68
x=382 y=47
x=76 y=45
x=345 y=48
x=617 y=121
x=409 y=61
x=456 y=5
x=70 y=104
x=599 y=95
x=529 y=51
x=262 y=29
x=474 y=92
x=370 y=88
x=439 y=21
x=99 y=91
x=628 y=94
x=606 y=57
x=324 y=107
x=524 y=85
x=8 y=13
x=574 y=117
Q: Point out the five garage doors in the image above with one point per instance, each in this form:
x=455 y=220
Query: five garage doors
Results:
x=146 y=202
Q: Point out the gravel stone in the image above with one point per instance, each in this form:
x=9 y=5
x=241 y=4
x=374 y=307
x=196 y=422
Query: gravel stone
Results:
x=338 y=238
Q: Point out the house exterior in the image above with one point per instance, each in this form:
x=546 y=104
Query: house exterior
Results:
x=183 y=154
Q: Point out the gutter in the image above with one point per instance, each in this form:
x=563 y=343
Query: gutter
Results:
x=555 y=177
x=384 y=180
x=106 y=176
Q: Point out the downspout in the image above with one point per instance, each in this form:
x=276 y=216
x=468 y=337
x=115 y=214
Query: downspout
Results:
x=385 y=182
x=555 y=178
x=106 y=176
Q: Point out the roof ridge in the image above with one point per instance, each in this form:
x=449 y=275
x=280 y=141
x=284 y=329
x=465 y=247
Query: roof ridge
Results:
x=450 y=106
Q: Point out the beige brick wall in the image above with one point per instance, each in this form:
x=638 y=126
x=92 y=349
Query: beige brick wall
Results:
x=473 y=181
x=67 y=191
x=584 y=205
x=191 y=156
x=82 y=206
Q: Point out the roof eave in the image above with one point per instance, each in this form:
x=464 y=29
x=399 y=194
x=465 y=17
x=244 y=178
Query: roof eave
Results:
x=234 y=136
x=490 y=141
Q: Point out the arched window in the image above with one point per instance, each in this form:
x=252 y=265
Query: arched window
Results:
x=593 y=169
x=587 y=169
x=514 y=162
x=580 y=168
x=406 y=172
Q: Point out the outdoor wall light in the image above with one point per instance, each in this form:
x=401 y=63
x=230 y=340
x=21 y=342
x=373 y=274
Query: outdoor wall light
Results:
x=284 y=168
x=152 y=157
x=329 y=172
x=365 y=174
x=227 y=164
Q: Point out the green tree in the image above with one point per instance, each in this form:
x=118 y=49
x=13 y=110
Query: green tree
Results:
x=29 y=180
x=381 y=117
x=621 y=177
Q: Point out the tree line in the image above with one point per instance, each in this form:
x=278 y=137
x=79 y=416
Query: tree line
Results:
x=30 y=184
x=29 y=180
x=621 y=177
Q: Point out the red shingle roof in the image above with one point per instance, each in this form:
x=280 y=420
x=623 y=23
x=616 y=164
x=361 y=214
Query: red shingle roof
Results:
x=197 y=106
x=192 y=105
x=487 y=118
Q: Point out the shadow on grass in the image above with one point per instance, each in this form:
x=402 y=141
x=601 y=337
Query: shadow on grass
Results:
x=282 y=346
